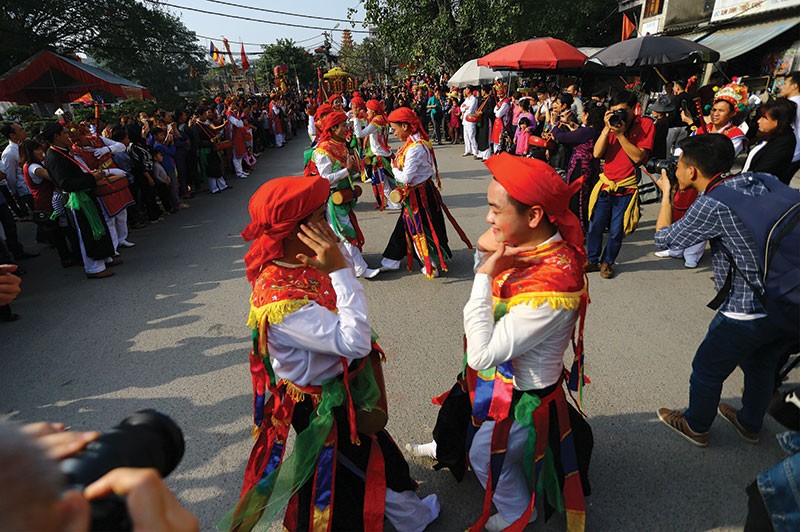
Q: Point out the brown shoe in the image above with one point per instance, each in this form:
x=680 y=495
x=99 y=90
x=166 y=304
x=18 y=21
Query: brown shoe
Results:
x=728 y=413
x=676 y=420
x=116 y=261
x=606 y=271
x=590 y=267
x=99 y=275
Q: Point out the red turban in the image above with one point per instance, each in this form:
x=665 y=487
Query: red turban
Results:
x=357 y=102
x=534 y=182
x=404 y=115
x=356 y=94
x=376 y=106
x=332 y=120
x=334 y=97
x=322 y=110
x=276 y=208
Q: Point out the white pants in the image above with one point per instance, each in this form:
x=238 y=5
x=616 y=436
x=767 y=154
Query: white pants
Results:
x=408 y=513
x=692 y=254
x=237 y=166
x=279 y=139
x=117 y=227
x=513 y=495
x=496 y=147
x=470 y=138
x=215 y=184
x=90 y=265
x=485 y=154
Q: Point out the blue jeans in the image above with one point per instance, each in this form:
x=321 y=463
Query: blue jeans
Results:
x=609 y=211
x=755 y=346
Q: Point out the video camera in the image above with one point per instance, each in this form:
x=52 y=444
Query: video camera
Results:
x=144 y=439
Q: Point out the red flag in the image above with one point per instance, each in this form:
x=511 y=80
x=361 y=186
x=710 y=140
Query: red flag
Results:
x=245 y=62
x=628 y=27
x=230 y=54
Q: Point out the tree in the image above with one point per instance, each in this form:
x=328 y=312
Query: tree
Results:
x=432 y=33
x=286 y=52
x=370 y=59
x=139 y=41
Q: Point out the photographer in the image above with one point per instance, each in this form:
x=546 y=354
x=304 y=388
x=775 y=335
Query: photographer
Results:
x=624 y=144
x=742 y=333
x=33 y=493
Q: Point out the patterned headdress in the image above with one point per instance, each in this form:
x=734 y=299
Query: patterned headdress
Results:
x=735 y=94
x=500 y=88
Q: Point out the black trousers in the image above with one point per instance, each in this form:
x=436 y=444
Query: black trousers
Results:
x=10 y=228
x=396 y=249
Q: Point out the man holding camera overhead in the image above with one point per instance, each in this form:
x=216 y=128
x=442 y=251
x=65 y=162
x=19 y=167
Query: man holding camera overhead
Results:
x=624 y=144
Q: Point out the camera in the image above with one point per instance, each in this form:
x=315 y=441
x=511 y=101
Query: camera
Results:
x=617 y=118
x=144 y=439
x=654 y=166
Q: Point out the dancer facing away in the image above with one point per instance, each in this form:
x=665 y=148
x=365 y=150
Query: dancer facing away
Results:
x=315 y=368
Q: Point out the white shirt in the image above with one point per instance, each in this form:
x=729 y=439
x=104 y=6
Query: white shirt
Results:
x=533 y=338
x=325 y=168
x=373 y=132
x=32 y=173
x=796 y=99
x=501 y=111
x=306 y=346
x=312 y=128
x=9 y=164
x=417 y=166
x=469 y=107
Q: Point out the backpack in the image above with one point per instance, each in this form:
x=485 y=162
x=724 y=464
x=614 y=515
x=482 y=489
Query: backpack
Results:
x=773 y=221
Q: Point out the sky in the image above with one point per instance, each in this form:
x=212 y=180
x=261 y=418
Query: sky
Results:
x=255 y=33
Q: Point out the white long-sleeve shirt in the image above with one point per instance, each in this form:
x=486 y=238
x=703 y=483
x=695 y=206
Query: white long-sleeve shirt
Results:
x=468 y=107
x=312 y=128
x=325 y=168
x=532 y=338
x=373 y=132
x=306 y=346
x=501 y=111
x=417 y=166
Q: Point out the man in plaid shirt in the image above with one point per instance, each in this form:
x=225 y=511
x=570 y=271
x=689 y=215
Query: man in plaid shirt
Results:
x=741 y=334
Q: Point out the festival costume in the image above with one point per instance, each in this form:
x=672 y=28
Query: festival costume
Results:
x=74 y=178
x=316 y=368
x=277 y=125
x=468 y=109
x=329 y=161
x=237 y=134
x=420 y=228
x=483 y=137
x=209 y=160
x=377 y=155
x=502 y=116
x=509 y=408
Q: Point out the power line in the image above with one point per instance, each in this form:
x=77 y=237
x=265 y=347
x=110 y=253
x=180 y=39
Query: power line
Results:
x=256 y=43
x=256 y=19
x=284 y=12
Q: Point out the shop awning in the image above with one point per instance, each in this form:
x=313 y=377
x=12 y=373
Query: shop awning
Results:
x=733 y=42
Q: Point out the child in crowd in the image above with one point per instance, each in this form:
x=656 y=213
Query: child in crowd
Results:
x=522 y=136
x=164 y=144
x=163 y=182
x=454 y=124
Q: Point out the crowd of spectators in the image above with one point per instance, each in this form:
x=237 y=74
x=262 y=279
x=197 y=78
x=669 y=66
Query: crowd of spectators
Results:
x=146 y=167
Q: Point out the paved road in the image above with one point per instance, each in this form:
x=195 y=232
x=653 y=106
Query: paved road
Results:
x=168 y=332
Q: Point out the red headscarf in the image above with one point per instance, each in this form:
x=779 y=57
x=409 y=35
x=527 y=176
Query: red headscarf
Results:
x=380 y=113
x=357 y=102
x=534 y=182
x=329 y=122
x=322 y=110
x=333 y=98
x=276 y=208
x=404 y=115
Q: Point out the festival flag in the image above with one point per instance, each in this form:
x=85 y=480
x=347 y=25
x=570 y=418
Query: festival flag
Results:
x=628 y=27
x=230 y=54
x=245 y=62
x=216 y=55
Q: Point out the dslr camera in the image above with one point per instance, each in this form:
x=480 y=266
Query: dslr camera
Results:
x=654 y=166
x=617 y=118
x=144 y=439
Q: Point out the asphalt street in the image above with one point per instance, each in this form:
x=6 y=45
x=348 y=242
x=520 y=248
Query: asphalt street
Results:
x=168 y=332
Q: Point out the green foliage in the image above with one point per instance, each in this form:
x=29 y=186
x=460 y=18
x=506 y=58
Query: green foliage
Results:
x=432 y=33
x=140 y=41
x=21 y=113
x=286 y=52
x=371 y=58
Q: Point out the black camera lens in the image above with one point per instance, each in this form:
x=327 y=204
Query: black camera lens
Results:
x=617 y=118
x=146 y=439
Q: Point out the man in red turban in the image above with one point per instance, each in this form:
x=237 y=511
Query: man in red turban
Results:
x=313 y=368
x=528 y=296
x=377 y=154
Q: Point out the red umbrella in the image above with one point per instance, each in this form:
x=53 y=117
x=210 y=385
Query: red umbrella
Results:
x=545 y=53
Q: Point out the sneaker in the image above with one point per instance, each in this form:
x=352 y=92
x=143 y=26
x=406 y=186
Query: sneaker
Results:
x=126 y=244
x=664 y=254
x=728 y=413
x=676 y=420
x=606 y=271
x=497 y=523
x=689 y=264
x=427 y=450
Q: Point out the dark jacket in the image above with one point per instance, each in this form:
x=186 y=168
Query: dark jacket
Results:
x=776 y=157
